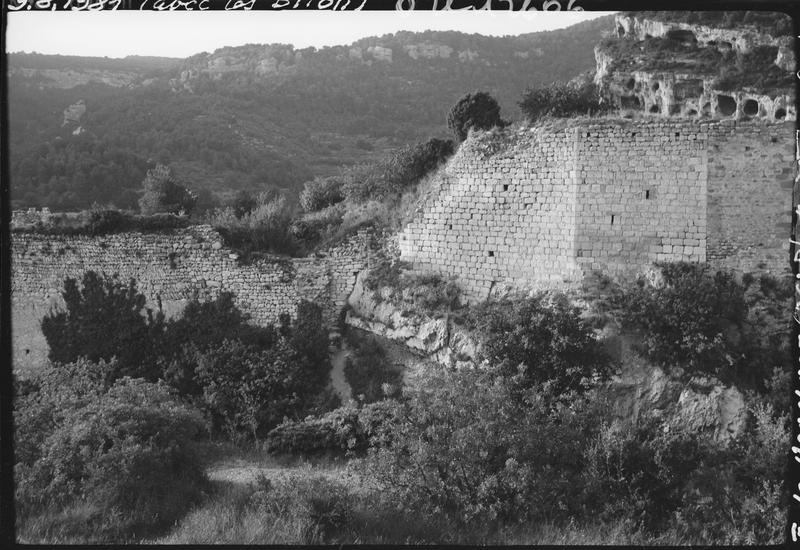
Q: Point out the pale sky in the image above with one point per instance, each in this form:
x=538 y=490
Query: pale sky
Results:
x=181 y=34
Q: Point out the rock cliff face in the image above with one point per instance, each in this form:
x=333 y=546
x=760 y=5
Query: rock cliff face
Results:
x=73 y=113
x=638 y=386
x=688 y=85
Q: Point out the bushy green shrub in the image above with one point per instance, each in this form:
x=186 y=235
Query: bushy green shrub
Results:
x=105 y=318
x=701 y=321
x=545 y=338
x=399 y=171
x=640 y=472
x=321 y=192
x=324 y=506
x=341 y=432
x=561 y=100
x=124 y=451
x=476 y=110
x=266 y=228
x=245 y=389
x=162 y=193
x=462 y=445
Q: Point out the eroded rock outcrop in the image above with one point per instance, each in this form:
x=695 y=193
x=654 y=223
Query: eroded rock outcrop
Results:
x=702 y=405
x=637 y=89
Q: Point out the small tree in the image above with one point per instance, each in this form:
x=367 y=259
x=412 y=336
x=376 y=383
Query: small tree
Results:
x=106 y=318
x=163 y=194
x=544 y=339
x=476 y=110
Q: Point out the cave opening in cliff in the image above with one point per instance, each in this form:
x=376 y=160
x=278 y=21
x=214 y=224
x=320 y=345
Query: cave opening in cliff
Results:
x=631 y=83
x=692 y=112
x=726 y=104
x=655 y=86
x=750 y=107
x=682 y=36
x=655 y=109
x=780 y=114
x=620 y=31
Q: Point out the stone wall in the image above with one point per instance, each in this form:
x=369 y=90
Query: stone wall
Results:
x=750 y=177
x=502 y=219
x=533 y=208
x=172 y=268
x=641 y=195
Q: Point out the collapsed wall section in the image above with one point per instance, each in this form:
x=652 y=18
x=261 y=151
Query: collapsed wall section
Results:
x=641 y=195
x=503 y=214
x=171 y=269
x=750 y=177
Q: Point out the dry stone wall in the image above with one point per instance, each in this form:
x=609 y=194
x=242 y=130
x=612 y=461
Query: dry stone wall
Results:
x=172 y=268
x=543 y=207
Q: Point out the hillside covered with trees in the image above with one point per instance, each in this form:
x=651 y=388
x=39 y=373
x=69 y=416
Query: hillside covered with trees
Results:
x=256 y=117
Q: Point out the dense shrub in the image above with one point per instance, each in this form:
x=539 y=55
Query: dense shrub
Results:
x=477 y=110
x=545 y=339
x=368 y=371
x=267 y=228
x=105 y=318
x=701 y=321
x=640 y=471
x=462 y=445
x=397 y=172
x=341 y=432
x=320 y=193
x=163 y=194
x=561 y=100
x=317 y=227
x=247 y=386
x=246 y=390
x=123 y=451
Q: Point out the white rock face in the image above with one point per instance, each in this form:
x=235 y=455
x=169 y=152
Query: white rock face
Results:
x=428 y=50
x=739 y=40
x=74 y=112
x=712 y=408
x=692 y=95
x=380 y=53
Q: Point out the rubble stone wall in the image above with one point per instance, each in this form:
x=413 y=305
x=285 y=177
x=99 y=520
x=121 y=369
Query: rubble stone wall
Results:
x=172 y=268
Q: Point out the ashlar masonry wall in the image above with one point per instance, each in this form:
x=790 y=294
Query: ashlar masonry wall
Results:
x=172 y=268
x=751 y=171
x=641 y=195
x=500 y=218
x=544 y=207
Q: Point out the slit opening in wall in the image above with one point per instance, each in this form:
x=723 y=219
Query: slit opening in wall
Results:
x=505 y=187
x=647 y=194
x=450 y=226
x=612 y=219
x=491 y=253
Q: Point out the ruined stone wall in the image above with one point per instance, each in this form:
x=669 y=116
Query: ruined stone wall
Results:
x=172 y=267
x=534 y=208
x=500 y=217
x=750 y=177
x=641 y=195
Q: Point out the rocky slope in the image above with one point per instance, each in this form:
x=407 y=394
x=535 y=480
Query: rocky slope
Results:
x=705 y=405
x=673 y=68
